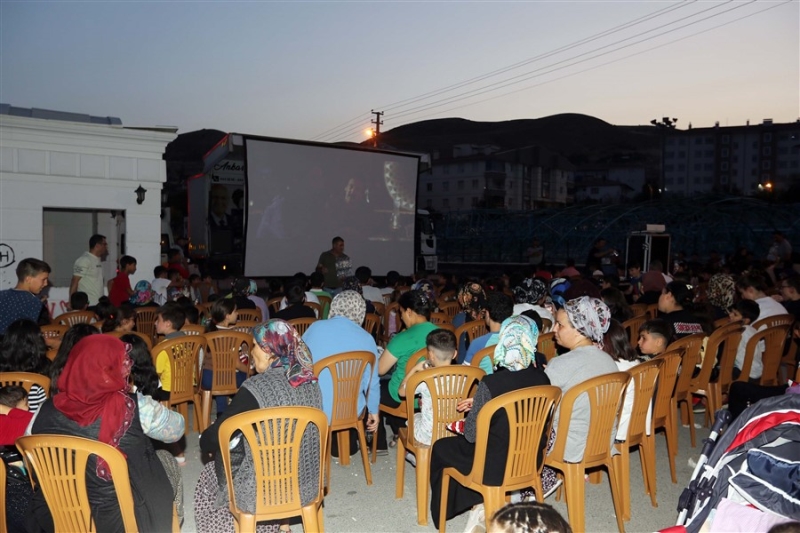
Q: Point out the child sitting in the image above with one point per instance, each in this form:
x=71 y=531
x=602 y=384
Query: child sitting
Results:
x=654 y=337
x=169 y=320
x=747 y=311
x=14 y=414
x=78 y=301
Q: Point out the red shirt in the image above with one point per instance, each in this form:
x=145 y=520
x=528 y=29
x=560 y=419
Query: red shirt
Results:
x=120 y=289
x=12 y=425
x=179 y=267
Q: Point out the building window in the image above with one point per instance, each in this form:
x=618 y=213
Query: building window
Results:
x=445 y=202
x=708 y=166
x=698 y=140
x=709 y=153
x=460 y=185
x=429 y=203
x=766 y=165
x=682 y=167
x=707 y=180
x=698 y=166
x=724 y=152
x=511 y=185
x=669 y=168
x=767 y=150
x=767 y=137
x=668 y=181
x=723 y=179
x=726 y=139
x=698 y=153
x=682 y=142
x=461 y=168
x=445 y=185
x=445 y=169
x=595 y=190
x=682 y=154
x=679 y=181
x=429 y=187
x=709 y=140
x=474 y=166
x=474 y=184
x=669 y=155
x=697 y=180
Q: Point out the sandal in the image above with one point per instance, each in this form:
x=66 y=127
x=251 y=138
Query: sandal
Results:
x=393 y=441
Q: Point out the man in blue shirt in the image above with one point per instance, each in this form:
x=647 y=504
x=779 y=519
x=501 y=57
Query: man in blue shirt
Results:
x=498 y=307
x=23 y=300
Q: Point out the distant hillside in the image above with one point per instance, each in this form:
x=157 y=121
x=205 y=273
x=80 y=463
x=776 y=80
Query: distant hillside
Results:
x=581 y=138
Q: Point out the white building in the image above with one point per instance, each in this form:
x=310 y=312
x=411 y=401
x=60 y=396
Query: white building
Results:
x=605 y=192
x=67 y=176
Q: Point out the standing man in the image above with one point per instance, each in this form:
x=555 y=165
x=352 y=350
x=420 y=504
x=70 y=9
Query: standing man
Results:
x=335 y=265
x=87 y=273
x=23 y=300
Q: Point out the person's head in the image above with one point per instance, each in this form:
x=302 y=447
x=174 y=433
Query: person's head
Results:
x=195 y=280
x=143 y=293
x=534 y=316
x=617 y=343
x=393 y=277
x=790 y=288
x=337 y=245
x=78 y=301
x=472 y=298
x=68 y=341
x=219 y=199
x=350 y=305
x=241 y=287
x=721 y=291
x=581 y=322
x=276 y=344
x=169 y=318
x=635 y=269
x=317 y=279
x=498 y=307
x=351 y=283
x=654 y=337
x=174 y=256
x=653 y=281
x=442 y=347
x=107 y=314
x=98 y=245
x=751 y=285
x=527 y=517
x=223 y=313
x=13 y=397
x=23 y=348
x=295 y=295
x=745 y=310
x=516 y=344
x=160 y=272
x=174 y=275
x=530 y=291
x=415 y=307
x=143 y=372
x=126 y=317
x=674 y=297
x=656 y=266
x=364 y=274
x=32 y=275
x=616 y=302
x=127 y=264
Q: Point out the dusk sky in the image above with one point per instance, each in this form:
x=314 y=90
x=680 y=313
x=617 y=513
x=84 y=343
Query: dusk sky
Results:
x=302 y=69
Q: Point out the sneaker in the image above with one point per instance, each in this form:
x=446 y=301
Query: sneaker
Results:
x=411 y=458
x=476 y=520
x=552 y=489
x=382 y=452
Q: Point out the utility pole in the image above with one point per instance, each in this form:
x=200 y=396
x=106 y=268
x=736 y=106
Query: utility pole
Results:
x=664 y=125
x=378 y=122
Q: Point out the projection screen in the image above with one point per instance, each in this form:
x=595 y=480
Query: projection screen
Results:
x=301 y=196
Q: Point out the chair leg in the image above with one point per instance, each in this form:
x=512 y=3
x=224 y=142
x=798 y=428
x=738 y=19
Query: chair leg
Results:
x=493 y=500
x=690 y=416
x=671 y=433
x=622 y=465
x=422 y=475
x=647 y=450
x=443 y=502
x=362 y=441
x=613 y=479
x=183 y=409
x=537 y=488
x=328 y=461
x=400 y=467
x=247 y=522
x=576 y=494
x=205 y=409
x=374 y=457
x=310 y=518
x=344 y=447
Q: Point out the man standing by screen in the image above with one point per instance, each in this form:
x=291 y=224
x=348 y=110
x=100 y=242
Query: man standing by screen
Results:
x=335 y=265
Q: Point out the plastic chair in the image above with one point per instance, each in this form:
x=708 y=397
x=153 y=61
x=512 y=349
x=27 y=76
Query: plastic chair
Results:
x=274 y=304
x=639 y=310
x=347 y=371
x=691 y=345
x=75 y=317
x=775 y=320
x=547 y=345
x=473 y=329
x=448 y=385
x=25 y=380
x=223 y=348
x=183 y=353
x=60 y=465
x=605 y=397
x=325 y=303
x=372 y=325
x=774 y=339
x=717 y=343
x=147 y=340
x=276 y=452
x=724 y=379
x=642 y=385
x=664 y=407
x=632 y=326
x=253 y=315
x=482 y=354
x=316 y=307
x=380 y=309
x=547 y=325
x=387 y=318
x=54 y=331
x=652 y=311
x=449 y=308
x=529 y=412
x=301 y=324
x=245 y=326
x=146 y=321
x=193 y=329
x=441 y=318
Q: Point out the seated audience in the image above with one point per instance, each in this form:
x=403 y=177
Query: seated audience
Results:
x=14 y=414
x=747 y=311
x=617 y=344
x=498 y=308
x=71 y=338
x=654 y=337
x=295 y=299
x=23 y=350
x=676 y=304
x=753 y=286
x=222 y=317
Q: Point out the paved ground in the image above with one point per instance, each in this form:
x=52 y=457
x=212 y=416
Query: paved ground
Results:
x=352 y=506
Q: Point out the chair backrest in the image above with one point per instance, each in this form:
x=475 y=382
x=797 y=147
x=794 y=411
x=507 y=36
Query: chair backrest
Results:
x=54 y=331
x=387 y=317
x=75 y=317
x=183 y=353
x=632 y=326
x=253 y=315
x=245 y=326
x=775 y=320
x=774 y=340
x=691 y=345
x=667 y=378
x=440 y=318
x=274 y=304
x=25 y=380
x=147 y=340
x=530 y=415
x=720 y=322
x=639 y=309
x=60 y=464
x=224 y=347
x=473 y=329
x=605 y=397
x=146 y=321
x=716 y=344
x=380 y=308
x=193 y=329
x=316 y=307
x=346 y=370
x=728 y=358
x=274 y=436
x=482 y=354
x=372 y=324
x=643 y=386
x=451 y=309
x=652 y=311
x=301 y=324
x=325 y=302
x=547 y=345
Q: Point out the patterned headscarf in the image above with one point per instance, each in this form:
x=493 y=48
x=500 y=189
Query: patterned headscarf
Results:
x=280 y=340
x=530 y=291
x=253 y=288
x=426 y=287
x=350 y=305
x=472 y=299
x=94 y=384
x=721 y=290
x=351 y=283
x=590 y=316
x=558 y=287
x=142 y=293
x=516 y=348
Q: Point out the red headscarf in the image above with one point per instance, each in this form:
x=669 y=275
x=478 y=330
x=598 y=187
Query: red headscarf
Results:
x=94 y=384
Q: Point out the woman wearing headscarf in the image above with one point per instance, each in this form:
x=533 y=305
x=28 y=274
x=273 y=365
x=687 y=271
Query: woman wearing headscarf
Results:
x=472 y=298
x=143 y=295
x=284 y=377
x=94 y=402
x=720 y=293
x=515 y=368
x=252 y=295
x=580 y=327
x=530 y=295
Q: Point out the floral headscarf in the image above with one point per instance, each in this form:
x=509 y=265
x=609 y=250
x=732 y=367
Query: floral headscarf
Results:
x=530 y=291
x=721 y=290
x=351 y=283
x=472 y=299
x=142 y=293
x=94 y=384
x=279 y=339
x=590 y=316
x=350 y=305
x=516 y=349
x=426 y=287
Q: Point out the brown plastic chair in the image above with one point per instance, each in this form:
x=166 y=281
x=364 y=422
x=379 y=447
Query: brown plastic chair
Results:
x=451 y=309
x=245 y=326
x=146 y=321
x=605 y=397
x=276 y=452
x=448 y=385
x=691 y=345
x=716 y=344
x=642 y=385
x=639 y=310
x=274 y=304
x=632 y=326
x=75 y=317
x=60 y=465
x=774 y=339
x=547 y=345
x=724 y=321
x=387 y=318
x=473 y=329
x=725 y=376
x=652 y=311
x=441 y=319
x=3 y=522
x=147 y=340
x=372 y=325
x=54 y=331
x=301 y=324
x=25 y=380
x=482 y=354
x=253 y=315
x=775 y=320
x=193 y=329
x=325 y=303
x=664 y=407
x=530 y=414
x=347 y=370
x=223 y=347
x=316 y=307
x=183 y=353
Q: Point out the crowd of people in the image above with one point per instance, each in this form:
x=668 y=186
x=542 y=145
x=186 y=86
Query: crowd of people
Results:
x=109 y=388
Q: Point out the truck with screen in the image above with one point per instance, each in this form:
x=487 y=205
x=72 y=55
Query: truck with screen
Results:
x=269 y=207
